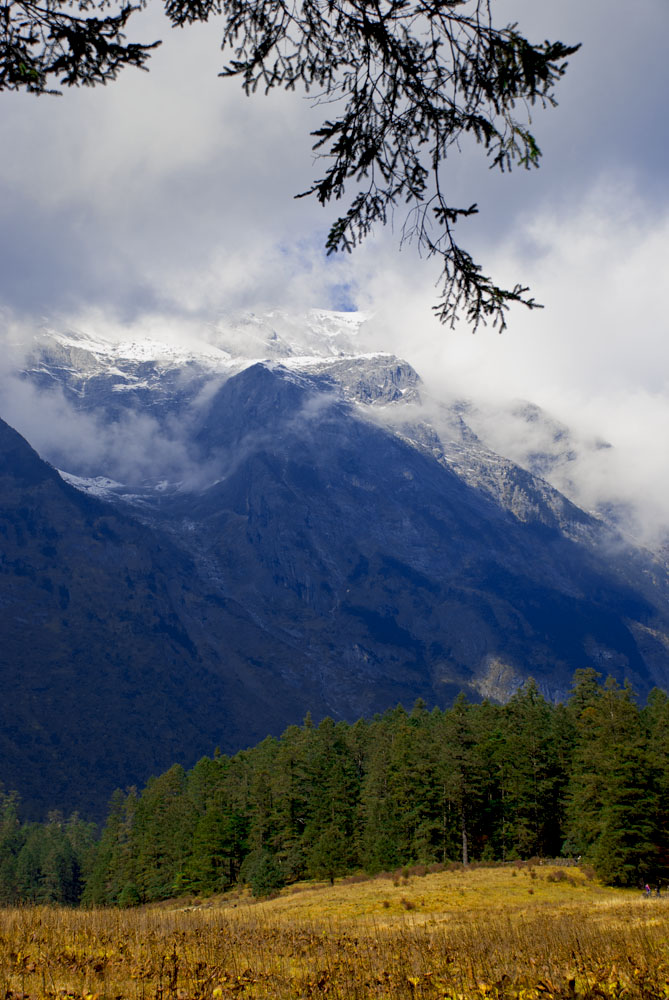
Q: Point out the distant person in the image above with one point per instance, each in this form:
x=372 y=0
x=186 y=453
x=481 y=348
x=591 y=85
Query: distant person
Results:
x=646 y=889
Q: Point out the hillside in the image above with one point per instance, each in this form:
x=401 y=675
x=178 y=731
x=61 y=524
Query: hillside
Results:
x=104 y=665
x=235 y=540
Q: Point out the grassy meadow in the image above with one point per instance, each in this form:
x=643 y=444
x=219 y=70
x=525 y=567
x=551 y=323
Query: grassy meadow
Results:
x=523 y=931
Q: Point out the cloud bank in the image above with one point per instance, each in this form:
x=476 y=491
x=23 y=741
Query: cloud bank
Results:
x=596 y=358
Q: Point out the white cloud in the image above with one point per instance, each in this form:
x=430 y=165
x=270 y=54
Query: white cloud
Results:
x=174 y=180
x=597 y=356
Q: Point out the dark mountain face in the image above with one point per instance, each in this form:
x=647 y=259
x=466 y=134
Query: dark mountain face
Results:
x=389 y=568
x=115 y=660
x=338 y=561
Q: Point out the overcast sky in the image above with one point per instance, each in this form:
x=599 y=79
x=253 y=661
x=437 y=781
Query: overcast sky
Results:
x=170 y=193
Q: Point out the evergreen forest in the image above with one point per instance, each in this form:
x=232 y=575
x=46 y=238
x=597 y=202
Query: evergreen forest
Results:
x=476 y=782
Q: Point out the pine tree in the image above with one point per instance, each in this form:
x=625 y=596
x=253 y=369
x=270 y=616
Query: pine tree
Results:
x=217 y=852
x=413 y=786
x=380 y=834
x=261 y=800
x=655 y=717
x=12 y=838
x=28 y=872
x=114 y=871
x=329 y=831
x=263 y=873
x=60 y=880
x=163 y=833
x=292 y=787
x=613 y=791
x=534 y=778
x=464 y=782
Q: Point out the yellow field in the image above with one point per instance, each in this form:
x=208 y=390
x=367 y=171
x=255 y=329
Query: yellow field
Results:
x=513 y=932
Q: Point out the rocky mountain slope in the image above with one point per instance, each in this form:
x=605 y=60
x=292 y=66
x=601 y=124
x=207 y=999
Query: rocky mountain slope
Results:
x=115 y=658
x=294 y=528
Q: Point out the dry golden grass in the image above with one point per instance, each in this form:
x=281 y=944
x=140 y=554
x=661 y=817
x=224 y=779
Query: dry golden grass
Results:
x=440 y=896
x=484 y=934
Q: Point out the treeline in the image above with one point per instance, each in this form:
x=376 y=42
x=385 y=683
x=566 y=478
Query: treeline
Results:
x=475 y=782
x=47 y=862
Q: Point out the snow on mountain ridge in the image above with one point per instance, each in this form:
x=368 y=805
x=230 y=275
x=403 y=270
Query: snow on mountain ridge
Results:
x=108 y=353
x=278 y=334
x=105 y=373
x=226 y=346
x=170 y=375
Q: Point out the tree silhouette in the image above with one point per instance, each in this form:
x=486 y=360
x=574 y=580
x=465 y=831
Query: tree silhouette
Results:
x=404 y=82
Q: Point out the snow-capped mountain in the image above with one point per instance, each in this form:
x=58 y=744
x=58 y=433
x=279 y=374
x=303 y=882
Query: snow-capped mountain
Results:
x=116 y=378
x=299 y=527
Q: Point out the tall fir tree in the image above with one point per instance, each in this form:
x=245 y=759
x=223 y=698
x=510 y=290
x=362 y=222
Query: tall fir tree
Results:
x=329 y=833
x=533 y=780
x=165 y=821
x=613 y=790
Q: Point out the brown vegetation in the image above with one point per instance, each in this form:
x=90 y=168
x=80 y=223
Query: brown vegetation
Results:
x=453 y=934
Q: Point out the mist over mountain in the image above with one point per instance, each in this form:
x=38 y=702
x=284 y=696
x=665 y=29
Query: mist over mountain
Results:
x=269 y=521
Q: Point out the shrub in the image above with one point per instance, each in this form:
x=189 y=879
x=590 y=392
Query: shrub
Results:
x=263 y=874
x=129 y=896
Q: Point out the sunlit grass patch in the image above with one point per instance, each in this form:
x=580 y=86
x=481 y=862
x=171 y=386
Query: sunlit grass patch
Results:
x=439 y=894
